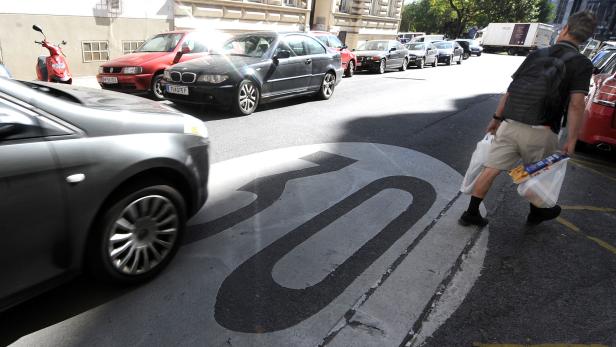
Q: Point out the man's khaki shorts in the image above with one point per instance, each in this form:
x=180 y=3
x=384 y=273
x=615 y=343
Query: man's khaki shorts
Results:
x=516 y=141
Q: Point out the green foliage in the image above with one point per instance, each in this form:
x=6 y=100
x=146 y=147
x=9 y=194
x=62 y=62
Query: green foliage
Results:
x=455 y=17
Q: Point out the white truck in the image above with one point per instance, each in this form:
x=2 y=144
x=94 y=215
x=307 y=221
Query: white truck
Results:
x=516 y=38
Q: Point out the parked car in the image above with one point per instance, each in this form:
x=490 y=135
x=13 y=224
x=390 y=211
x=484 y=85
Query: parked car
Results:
x=421 y=54
x=466 y=49
x=602 y=59
x=380 y=55
x=349 y=61
x=449 y=51
x=598 y=126
x=141 y=72
x=254 y=68
x=84 y=186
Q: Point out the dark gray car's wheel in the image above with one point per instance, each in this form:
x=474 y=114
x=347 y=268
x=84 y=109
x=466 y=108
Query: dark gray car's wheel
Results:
x=246 y=98
x=435 y=62
x=450 y=60
x=459 y=60
x=350 y=70
x=327 y=86
x=404 y=64
x=382 y=66
x=421 y=63
x=466 y=55
x=156 y=88
x=138 y=233
x=479 y=54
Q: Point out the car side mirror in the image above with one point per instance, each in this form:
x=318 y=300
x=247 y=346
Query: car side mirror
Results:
x=392 y=49
x=344 y=47
x=595 y=70
x=8 y=129
x=281 y=54
x=177 y=57
x=185 y=49
x=353 y=50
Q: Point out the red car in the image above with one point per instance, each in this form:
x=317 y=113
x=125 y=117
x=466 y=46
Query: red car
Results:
x=140 y=72
x=349 y=61
x=599 y=123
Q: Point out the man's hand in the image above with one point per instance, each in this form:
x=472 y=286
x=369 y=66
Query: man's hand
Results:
x=569 y=148
x=493 y=126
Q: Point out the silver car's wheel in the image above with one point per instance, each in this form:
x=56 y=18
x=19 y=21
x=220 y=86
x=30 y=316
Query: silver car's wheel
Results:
x=327 y=87
x=143 y=235
x=138 y=232
x=405 y=62
x=420 y=63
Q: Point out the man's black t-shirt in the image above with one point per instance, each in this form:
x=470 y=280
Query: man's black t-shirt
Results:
x=577 y=77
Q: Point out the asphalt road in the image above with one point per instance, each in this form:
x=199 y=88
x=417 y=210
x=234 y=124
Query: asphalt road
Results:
x=340 y=247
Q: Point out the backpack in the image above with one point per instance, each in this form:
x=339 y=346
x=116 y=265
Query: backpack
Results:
x=534 y=94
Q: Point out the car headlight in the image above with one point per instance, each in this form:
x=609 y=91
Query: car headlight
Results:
x=194 y=126
x=215 y=79
x=132 y=70
x=100 y=69
x=167 y=75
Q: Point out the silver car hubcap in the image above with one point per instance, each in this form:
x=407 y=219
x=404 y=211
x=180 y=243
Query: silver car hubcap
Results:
x=143 y=235
x=328 y=85
x=248 y=97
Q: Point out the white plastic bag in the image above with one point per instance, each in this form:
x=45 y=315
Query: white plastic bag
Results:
x=543 y=189
x=480 y=156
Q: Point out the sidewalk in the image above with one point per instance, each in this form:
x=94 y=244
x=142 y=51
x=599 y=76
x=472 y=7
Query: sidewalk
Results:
x=86 y=81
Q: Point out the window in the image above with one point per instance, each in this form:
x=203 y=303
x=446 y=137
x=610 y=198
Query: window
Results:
x=292 y=3
x=95 y=51
x=296 y=43
x=375 y=8
x=19 y=123
x=335 y=42
x=195 y=43
x=130 y=46
x=345 y=6
x=393 y=5
x=313 y=46
x=161 y=43
x=248 y=45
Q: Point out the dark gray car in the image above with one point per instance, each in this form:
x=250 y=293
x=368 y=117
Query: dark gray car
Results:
x=94 y=179
x=380 y=55
x=254 y=68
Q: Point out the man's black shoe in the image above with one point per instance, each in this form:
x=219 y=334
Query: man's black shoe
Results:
x=472 y=219
x=538 y=215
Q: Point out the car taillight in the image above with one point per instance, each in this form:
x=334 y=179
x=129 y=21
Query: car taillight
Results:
x=606 y=95
x=376 y=58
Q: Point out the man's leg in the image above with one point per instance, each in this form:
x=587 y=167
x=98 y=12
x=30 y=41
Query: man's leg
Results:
x=481 y=188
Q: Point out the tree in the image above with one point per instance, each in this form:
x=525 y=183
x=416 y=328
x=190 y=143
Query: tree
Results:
x=547 y=11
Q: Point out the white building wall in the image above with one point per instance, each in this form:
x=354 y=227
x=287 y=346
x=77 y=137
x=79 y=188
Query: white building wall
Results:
x=153 y=9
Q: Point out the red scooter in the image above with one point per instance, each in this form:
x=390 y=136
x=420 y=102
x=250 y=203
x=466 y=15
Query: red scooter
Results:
x=54 y=67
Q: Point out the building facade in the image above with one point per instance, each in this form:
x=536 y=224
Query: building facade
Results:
x=357 y=21
x=95 y=30
x=604 y=9
x=99 y=30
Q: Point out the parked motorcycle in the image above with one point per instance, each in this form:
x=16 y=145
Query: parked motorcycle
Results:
x=52 y=68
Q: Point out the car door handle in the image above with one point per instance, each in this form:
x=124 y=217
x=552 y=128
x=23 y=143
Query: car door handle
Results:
x=308 y=61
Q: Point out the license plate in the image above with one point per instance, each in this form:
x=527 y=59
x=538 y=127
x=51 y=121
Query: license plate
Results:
x=183 y=90
x=359 y=63
x=110 y=80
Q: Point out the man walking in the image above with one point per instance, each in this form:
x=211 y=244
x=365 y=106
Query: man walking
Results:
x=550 y=83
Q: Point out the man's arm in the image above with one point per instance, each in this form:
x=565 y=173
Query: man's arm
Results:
x=574 y=119
x=494 y=124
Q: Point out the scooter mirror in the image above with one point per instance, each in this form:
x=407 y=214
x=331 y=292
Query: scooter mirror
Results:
x=63 y=42
x=37 y=28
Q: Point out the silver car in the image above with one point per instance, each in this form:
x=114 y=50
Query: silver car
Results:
x=422 y=54
x=91 y=179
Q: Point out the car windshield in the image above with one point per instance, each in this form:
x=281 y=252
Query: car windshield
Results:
x=602 y=57
x=248 y=45
x=160 y=43
x=443 y=45
x=374 y=46
x=416 y=46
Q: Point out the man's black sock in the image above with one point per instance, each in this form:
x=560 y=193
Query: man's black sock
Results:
x=473 y=206
x=534 y=209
